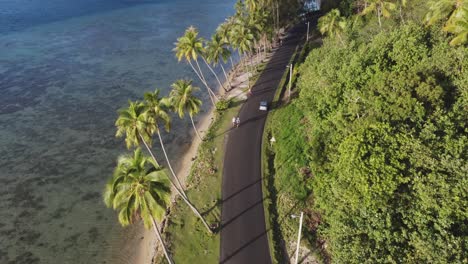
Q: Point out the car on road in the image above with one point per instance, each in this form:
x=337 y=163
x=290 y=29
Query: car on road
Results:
x=263 y=106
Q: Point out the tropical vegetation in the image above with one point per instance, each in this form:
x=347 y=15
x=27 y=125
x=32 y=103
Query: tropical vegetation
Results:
x=374 y=148
x=139 y=189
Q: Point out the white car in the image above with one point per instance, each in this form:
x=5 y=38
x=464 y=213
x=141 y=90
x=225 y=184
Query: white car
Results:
x=263 y=106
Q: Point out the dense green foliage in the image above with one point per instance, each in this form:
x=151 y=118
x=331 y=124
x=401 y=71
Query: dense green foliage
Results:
x=388 y=147
x=381 y=121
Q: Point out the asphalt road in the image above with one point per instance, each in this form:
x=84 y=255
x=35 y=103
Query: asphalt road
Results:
x=243 y=232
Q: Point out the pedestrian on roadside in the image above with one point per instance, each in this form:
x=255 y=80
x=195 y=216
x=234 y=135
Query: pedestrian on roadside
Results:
x=237 y=121
x=234 y=121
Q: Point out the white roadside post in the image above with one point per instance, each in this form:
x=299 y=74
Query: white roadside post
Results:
x=290 y=66
x=298 y=236
x=307 y=39
x=272 y=140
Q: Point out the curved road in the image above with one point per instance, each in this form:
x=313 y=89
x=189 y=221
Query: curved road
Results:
x=243 y=232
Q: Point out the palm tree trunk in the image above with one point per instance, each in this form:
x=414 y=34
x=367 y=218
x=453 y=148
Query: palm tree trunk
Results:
x=277 y=15
x=180 y=191
x=232 y=63
x=246 y=69
x=168 y=162
x=158 y=234
x=259 y=55
x=225 y=76
x=378 y=15
x=401 y=13
x=194 y=127
x=197 y=213
x=252 y=60
x=214 y=73
x=241 y=60
x=204 y=83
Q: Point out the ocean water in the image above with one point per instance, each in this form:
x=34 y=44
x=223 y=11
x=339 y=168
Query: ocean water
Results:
x=66 y=66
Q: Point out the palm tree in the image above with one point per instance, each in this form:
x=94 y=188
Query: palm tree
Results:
x=157 y=110
x=443 y=9
x=135 y=124
x=189 y=47
x=261 y=20
x=216 y=51
x=184 y=101
x=138 y=127
x=381 y=7
x=251 y=5
x=224 y=32
x=401 y=4
x=332 y=23
x=139 y=189
x=458 y=25
x=242 y=39
x=455 y=12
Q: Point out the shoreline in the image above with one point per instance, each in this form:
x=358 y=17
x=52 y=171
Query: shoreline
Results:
x=148 y=246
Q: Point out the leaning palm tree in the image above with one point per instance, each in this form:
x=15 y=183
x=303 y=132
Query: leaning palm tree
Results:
x=136 y=124
x=455 y=15
x=184 y=101
x=443 y=9
x=139 y=188
x=242 y=40
x=458 y=25
x=332 y=24
x=381 y=7
x=157 y=110
x=189 y=47
x=401 y=5
x=218 y=53
x=224 y=32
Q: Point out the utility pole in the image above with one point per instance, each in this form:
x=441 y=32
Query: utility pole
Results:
x=298 y=236
x=307 y=31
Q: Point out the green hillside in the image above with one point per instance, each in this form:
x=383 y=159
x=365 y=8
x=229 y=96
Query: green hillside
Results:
x=374 y=147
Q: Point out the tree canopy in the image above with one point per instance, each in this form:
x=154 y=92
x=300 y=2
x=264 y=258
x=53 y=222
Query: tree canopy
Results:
x=388 y=147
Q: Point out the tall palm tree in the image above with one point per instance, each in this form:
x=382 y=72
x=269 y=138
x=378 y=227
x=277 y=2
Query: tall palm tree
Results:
x=135 y=124
x=157 y=110
x=139 y=188
x=332 y=24
x=455 y=12
x=242 y=40
x=183 y=100
x=252 y=5
x=217 y=51
x=458 y=25
x=224 y=32
x=261 y=21
x=138 y=127
x=401 y=4
x=443 y=9
x=381 y=7
x=189 y=47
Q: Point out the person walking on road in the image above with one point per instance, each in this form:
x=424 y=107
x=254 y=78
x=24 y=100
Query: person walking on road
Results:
x=234 y=121
x=237 y=121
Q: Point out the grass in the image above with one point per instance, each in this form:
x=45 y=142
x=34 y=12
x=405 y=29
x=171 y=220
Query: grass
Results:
x=187 y=238
x=280 y=192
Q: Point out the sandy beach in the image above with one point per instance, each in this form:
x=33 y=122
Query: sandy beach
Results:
x=145 y=240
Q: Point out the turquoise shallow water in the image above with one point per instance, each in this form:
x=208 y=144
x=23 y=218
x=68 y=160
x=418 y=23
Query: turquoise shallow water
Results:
x=64 y=71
